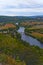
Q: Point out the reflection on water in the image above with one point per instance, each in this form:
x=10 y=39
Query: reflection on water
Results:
x=29 y=39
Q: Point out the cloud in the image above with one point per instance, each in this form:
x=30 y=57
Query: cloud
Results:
x=21 y=7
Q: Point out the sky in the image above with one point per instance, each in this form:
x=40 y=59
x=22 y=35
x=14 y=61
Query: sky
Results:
x=21 y=7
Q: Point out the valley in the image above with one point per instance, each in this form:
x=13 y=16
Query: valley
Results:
x=21 y=40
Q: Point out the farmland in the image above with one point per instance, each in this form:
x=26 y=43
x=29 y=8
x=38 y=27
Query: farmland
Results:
x=32 y=23
x=6 y=26
x=35 y=31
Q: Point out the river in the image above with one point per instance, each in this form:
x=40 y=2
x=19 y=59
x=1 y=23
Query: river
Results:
x=29 y=39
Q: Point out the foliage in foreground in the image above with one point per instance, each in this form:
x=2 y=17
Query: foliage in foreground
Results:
x=13 y=50
x=8 y=60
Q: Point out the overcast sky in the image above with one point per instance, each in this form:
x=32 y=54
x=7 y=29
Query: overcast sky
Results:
x=21 y=7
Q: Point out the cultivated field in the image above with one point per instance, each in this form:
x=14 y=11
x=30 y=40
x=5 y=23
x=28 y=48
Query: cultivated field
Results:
x=35 y=31
x=6 y=26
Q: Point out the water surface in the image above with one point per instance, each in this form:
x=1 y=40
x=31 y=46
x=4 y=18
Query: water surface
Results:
x=29 y=39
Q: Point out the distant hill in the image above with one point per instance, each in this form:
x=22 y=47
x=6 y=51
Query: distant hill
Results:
x=14 y=19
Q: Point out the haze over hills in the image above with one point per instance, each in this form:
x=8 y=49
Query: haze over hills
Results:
x=14 y=19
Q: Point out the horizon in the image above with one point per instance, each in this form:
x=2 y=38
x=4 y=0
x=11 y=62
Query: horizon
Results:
x=21 y=16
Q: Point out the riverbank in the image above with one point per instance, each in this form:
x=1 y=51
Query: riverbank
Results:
x=36 y=36
x=36 y=33
x=29 y=39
